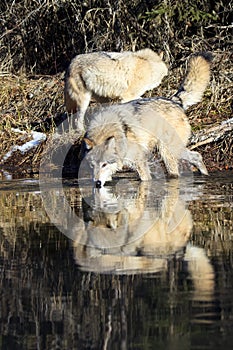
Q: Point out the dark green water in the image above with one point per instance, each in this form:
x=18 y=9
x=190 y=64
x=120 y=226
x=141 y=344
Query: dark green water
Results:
x=133 y=267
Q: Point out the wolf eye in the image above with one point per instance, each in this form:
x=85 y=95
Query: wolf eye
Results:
x=104 y=165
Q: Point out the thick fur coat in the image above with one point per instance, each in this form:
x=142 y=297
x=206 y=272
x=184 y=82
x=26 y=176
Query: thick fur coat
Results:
x=124 y=134
x=122 y=76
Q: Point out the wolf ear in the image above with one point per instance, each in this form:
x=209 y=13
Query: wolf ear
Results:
x=88 y=143
x=117 y=145
x=111 y=142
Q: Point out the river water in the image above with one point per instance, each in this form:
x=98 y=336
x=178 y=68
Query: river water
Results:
x=131 y=266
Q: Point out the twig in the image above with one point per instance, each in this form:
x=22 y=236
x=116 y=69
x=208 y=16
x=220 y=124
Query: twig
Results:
x=220 y=27
x=212 y=134
x=19 y=24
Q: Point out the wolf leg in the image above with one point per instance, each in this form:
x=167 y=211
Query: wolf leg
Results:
x=85 y=100
x=143 y=171
x=170 y=161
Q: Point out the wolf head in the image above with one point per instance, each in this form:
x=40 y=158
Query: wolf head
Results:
x=103 y=159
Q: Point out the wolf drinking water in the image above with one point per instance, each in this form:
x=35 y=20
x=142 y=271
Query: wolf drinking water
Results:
x=125 y=134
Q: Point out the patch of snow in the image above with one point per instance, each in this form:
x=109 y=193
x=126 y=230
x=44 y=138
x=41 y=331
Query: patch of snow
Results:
x=37 y=138
x=228 y=121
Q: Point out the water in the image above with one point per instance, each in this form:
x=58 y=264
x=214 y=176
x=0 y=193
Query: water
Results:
x=133 y=266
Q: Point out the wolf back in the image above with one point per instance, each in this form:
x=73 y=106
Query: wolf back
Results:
x=124 y=76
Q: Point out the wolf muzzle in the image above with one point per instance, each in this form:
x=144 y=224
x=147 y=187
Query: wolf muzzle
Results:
x=98 y=184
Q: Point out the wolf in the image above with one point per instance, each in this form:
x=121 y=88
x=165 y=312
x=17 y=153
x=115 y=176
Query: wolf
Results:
x=127 y=232
x=128 y=235
x=114 y=75
x=125 y=134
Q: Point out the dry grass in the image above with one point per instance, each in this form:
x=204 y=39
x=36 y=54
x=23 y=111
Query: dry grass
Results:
x=27 y=102
x=25 y=99
x=40 y=37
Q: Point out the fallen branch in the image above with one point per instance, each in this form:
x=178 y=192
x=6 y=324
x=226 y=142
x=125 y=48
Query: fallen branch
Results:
x=211 y=134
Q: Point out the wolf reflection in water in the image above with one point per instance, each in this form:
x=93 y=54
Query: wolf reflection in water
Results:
x=127 y=236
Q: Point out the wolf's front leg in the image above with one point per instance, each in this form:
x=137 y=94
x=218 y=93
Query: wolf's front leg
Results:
x=79 y=122
x=144 y=171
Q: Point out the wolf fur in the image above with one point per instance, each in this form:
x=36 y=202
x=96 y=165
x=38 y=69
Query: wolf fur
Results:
x=124 y=134
x=131 y=235
x=127 y=232
x=124 y=76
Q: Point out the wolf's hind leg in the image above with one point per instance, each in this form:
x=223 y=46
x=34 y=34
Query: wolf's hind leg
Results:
x=84 y=103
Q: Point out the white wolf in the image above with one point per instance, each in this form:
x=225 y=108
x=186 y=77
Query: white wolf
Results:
x=124 y=76
x=129 y=237
x=124 y=134
x=127 y=232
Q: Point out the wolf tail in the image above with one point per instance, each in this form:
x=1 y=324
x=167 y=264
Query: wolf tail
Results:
x=196 y=80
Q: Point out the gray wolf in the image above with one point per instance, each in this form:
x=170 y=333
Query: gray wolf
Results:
x=124 y=76
x=125 y=134
x=127 y=232
x=125 y=235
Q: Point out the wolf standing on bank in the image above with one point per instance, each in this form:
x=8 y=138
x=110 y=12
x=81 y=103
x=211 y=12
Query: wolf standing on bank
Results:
x=124 y=134
x=114 y=75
